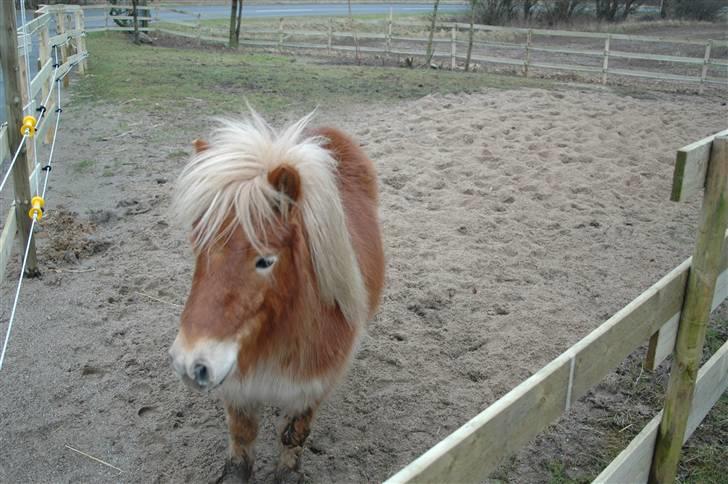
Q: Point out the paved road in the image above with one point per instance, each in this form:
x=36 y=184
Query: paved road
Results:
x=95 y=18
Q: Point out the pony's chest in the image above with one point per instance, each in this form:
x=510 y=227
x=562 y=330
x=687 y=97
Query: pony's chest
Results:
x=264 y=386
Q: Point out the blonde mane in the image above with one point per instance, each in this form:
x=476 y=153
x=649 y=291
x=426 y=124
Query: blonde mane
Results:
x=231 y=178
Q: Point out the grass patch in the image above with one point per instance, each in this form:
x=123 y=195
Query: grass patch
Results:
x=557 y=474
x=83 y=166
x=143 y=76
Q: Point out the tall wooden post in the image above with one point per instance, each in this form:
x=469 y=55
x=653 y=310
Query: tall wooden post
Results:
x=704 y=71
x=527 y=61
x=44 y=50
x=13 y=100
x=60 y=29
x=453 y=47
x=694 y=316
x=80 y=40
x=605 y=64
x=389 y=33
x=280 y=35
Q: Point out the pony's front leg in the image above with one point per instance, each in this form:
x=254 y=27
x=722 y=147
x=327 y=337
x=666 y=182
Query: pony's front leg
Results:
x=295 y=431
x=243 y=429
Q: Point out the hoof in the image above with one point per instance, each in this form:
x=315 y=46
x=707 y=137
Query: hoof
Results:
x=239 y=472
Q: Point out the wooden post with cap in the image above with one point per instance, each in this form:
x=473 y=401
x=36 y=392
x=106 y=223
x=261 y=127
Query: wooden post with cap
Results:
x=14 y=108
x=703 y=164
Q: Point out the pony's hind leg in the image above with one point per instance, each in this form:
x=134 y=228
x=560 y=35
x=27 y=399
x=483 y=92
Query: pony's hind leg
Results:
x=243 y=430
x=295 y=431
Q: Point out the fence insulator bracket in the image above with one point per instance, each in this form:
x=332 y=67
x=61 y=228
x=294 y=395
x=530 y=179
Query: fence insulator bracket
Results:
x=28 y=126
x=36 y=210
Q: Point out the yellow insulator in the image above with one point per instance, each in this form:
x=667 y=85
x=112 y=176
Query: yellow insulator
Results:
x=36 y=210
x=28 y=127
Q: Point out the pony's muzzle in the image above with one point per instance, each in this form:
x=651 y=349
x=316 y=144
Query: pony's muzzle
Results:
x=205 y=365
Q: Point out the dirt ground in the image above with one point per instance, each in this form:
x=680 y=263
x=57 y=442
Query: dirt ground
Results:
x=515 y=222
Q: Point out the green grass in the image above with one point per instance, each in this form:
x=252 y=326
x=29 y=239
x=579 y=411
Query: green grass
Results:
x=142 y=76
x=83 y=166
x=557 y=474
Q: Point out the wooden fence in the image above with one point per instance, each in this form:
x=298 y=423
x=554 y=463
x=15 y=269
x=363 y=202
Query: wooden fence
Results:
x=72 y=52
x=474 y=450
x=596 y=54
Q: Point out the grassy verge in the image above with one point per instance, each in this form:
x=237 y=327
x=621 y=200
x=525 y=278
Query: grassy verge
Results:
x=142 y=76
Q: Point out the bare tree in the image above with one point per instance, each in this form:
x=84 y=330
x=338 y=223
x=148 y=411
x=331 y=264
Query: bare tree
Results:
x=236 y=11
x=430 y=51
x=135 y=15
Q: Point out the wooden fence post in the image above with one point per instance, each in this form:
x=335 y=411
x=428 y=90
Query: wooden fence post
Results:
x=44 y=51
x=704 y=71
x=60 y=29
x=695 y=315
x=280 y=35
x=14 y=107
x=526 y=62
x=605 y=64
x=330 y=36
x=389 y=33
x=80 y=40
x=453 y=47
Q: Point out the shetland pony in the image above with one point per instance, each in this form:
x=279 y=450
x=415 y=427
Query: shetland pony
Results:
x=289 y=268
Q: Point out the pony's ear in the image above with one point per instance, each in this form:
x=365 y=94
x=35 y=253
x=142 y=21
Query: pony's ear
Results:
x=200 y=145
x=286 y=180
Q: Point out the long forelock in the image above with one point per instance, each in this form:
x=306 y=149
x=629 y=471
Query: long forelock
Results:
x=227 y=185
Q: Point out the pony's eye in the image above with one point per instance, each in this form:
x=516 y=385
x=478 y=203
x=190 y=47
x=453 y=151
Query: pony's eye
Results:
x=263 y=263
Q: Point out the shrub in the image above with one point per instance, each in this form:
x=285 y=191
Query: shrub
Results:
x=698 y=9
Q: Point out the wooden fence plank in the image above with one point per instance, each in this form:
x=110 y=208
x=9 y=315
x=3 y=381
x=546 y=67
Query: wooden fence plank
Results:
x=561 y=50
x=566 y=67
x=633 y=463
x=475 y=449
x=654 y=75
x=4 y=148
x=7 y=241
x=37 y=83
x=655 y=57
x=690 y=168
x=36 y=24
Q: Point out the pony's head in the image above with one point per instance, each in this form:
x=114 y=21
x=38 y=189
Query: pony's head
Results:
x=271 y=245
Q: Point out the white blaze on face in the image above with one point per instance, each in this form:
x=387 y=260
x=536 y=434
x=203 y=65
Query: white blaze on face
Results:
x=206 y=363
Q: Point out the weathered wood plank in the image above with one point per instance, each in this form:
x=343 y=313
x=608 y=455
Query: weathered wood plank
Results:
x=655 y=57
x=37 y=83
x=65 y=37
x=7 y=241
x=661 y=76
x=36 y=24
x=566 y=67
x=596 y=53
x=4 y=148
x=633 y=463
x=691 y=166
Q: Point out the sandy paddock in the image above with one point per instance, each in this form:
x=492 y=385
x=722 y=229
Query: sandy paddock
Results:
x=515 y=222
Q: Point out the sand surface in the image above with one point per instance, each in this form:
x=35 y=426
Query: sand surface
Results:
x=514 y=221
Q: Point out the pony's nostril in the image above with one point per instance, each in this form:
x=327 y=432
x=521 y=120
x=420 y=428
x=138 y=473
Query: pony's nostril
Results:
x=202 y=376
